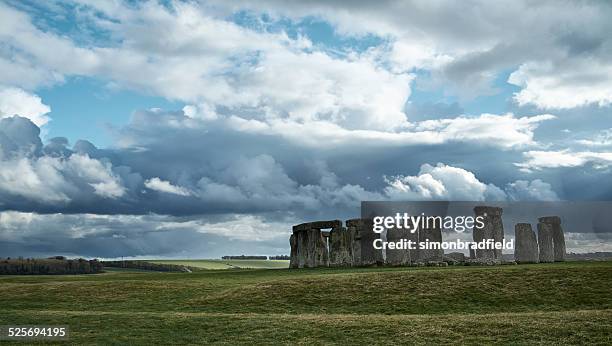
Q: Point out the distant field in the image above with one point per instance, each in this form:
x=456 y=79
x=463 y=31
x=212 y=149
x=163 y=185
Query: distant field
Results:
x=560 y=303
x=228 y=264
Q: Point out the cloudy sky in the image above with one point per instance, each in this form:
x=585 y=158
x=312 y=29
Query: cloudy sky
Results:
x=199 y=129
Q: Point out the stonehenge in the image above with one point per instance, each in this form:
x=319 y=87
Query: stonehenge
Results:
x=558 y=238
x=336 y=244
x=493 y=229
x=341 y=247
x=353 y=228
x=433 y=235
x=545 y=242
x=400 y=257
x=526 y=245
x=309 y=246
x=351 y=246
x=365 y=253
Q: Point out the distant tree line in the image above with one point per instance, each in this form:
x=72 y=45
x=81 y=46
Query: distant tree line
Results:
x=55 y=265
x=243 y=257
x=143 y=265
x=279 y=257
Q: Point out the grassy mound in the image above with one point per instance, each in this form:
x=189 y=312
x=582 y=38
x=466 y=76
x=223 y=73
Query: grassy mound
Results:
x=550 y=304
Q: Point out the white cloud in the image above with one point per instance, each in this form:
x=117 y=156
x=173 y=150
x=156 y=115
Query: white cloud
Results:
x=39 y=180
x=51 y=180
x=179 y=52
x=108 y=189
x=603 y=139
x=157 y=184
x=246 y=227
x=97 y=174
x=537 y=160
x=15 y=101
x=535 y=190
x=504 y=131
x=478 y=41
x=442 y=182
x=201 y=111
x=30 y=62
x=572 y=84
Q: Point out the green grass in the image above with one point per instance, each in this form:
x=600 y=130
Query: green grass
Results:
x=228 y=264
x=561 y=303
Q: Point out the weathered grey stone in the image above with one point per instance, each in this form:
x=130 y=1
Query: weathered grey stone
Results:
x=557 y=236
x=399 y=257
x=293 y=258
x=545 y=242
x=311 y=249
x=550 y=219
x=317 y=225
x=341 y=247
x=354 y=223
x=364 y=253
x=353 y=227
x=526 y=244
x=493 y=229
x=432 y=235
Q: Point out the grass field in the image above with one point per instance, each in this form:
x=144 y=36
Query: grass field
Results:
x=228 y=264
x=561 y=303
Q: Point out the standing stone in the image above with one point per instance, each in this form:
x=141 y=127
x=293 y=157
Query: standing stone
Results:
x=301 y=241
x=293 y=259
x=300 y=249
x=526 y=244
x=364 y=253
x=557 y=236
x=399 y=257
x=545 y=242
x=433 y=235
x=353 y=227
x=318 y=249
x=415 y=253
x=493 y=229
x=310 y=245
x=341 y=247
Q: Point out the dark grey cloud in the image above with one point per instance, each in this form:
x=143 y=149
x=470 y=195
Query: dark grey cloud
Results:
x=168 y=163
x=19 y=137
x=137 y=236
